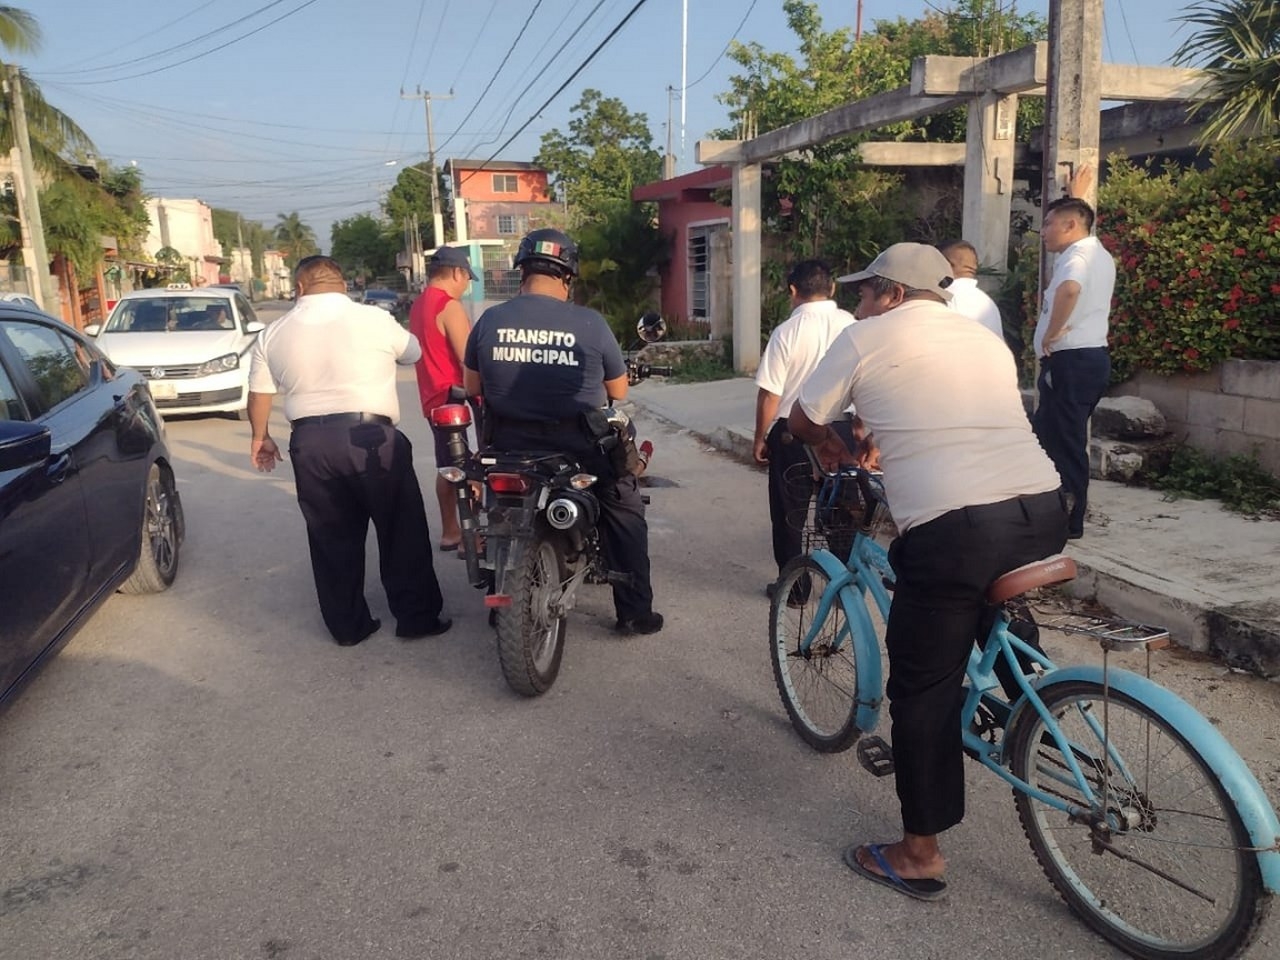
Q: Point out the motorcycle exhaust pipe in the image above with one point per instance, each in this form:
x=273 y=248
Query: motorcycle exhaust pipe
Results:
x=562 y=513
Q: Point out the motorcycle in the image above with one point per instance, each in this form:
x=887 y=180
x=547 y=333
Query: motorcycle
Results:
x=530 y=533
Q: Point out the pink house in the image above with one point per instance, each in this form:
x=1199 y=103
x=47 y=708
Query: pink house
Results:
x=699 y=227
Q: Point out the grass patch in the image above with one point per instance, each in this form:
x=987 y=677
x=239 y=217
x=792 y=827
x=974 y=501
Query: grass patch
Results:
x=701 y=370
x=1240 y=482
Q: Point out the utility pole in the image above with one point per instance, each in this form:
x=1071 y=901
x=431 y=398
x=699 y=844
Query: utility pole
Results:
x=857 y=30
x=437 y=219
x=1072 y=104
x=669 y=161
x=244 y=270
x=45 y=293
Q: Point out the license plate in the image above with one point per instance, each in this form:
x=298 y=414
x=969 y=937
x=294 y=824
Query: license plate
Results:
x=164 y=390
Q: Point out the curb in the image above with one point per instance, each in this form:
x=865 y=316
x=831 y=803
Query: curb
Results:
x=1243 y=636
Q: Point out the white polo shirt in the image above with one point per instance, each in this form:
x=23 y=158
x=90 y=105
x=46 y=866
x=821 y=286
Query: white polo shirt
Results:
x=1088 y=263
x=330 y=355
x=795 y=347
x=942 y=399
x=970 y=300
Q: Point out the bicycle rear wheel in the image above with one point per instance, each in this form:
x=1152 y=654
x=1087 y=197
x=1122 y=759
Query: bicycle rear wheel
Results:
x=1164 y=872
x=818 y=686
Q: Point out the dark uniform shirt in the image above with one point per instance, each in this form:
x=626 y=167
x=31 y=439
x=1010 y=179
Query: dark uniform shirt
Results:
x=543 y=359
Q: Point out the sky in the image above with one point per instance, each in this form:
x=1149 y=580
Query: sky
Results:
x=273 y=106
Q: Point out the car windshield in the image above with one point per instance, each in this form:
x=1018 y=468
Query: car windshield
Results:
x=170 y=314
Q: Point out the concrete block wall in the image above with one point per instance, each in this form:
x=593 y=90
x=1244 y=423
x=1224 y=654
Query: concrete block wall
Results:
x=1232 y=409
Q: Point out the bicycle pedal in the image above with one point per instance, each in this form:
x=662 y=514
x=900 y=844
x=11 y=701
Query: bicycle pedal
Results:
x=876 y=756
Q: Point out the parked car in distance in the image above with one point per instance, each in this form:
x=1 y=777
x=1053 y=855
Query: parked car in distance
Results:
x=88 y=502
x=386 y=299
x=192 y=345
x=20 y=298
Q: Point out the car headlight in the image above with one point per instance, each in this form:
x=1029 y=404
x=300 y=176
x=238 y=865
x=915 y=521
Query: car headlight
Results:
x=222 y=364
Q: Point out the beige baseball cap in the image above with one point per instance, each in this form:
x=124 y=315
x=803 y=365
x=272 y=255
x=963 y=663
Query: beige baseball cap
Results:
x=914 y=265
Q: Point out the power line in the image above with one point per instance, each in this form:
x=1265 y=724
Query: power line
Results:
x=180 y=46
x=202 y=54
x=555 y=56
x=144 y=36
x=741 y=23
x=435 y=40
x=559 y=90
x=493 y=5
x=488 y=86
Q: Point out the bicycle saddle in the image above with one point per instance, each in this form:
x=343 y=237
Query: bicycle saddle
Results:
x=1058 y=568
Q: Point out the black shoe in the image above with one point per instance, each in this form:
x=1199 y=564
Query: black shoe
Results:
x=439 y=626
x=645 y=623
x=1075 y=534
x=374 y=627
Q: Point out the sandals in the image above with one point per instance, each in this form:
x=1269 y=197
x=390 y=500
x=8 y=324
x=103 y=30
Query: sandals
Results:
x=919 y=889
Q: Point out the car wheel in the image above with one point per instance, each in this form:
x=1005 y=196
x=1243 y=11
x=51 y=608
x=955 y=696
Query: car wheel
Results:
x=161 y=536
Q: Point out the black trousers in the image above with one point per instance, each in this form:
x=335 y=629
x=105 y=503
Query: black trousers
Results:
x=346 y=476
x=943 y=568
x=624 y=532
x=788 y=493
x=1071 y=383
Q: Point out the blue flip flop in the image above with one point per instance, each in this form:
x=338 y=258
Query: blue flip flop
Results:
x=921 y=889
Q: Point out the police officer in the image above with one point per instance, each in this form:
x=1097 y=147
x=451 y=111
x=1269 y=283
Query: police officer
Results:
x=540 y=362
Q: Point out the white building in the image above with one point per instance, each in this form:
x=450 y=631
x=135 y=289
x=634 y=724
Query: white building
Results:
x=186 y=226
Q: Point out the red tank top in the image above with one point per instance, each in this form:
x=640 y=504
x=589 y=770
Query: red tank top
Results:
x=439 y=369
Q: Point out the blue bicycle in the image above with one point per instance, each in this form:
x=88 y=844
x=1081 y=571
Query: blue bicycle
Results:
x=1143 y=817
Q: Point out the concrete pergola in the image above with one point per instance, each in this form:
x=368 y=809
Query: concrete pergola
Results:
x=989 y=88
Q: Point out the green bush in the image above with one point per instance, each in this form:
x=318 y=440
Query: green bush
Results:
x=1197 y=261
x=1240 y=482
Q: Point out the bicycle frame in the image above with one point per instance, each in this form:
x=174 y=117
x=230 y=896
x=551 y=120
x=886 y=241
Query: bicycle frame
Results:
x=864 y=572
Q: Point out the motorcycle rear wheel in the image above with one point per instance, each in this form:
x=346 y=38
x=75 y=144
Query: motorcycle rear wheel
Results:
x=530 y=637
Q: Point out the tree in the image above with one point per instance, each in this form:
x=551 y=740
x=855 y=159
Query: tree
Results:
x=1238 y=45
x=410 y=199
x=618 y=252
x=826 y=203
x=364 y=246
x=607 y=151
x=229 y=227
x=294 y=238
x=19 y=30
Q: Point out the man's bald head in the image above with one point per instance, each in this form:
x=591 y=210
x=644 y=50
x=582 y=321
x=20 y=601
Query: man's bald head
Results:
x=963 y=257
x=318 y=274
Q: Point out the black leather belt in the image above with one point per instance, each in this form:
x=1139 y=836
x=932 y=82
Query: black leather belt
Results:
x=343 y=418
x=543 y=427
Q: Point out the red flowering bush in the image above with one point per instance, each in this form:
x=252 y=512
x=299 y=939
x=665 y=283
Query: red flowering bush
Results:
x=1197 y=261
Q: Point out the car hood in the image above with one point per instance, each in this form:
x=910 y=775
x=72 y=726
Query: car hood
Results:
x=179 y=347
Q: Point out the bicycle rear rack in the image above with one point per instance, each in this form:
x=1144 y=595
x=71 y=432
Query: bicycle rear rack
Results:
x=1110 y=632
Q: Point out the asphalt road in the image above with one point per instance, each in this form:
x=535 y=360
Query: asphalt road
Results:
x=202 y=774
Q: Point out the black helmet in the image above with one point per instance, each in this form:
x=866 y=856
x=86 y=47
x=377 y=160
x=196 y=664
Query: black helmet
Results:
x=548 y=246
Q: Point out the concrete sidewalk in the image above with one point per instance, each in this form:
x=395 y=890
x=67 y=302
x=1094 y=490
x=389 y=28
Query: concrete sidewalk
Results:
x=1211 y=576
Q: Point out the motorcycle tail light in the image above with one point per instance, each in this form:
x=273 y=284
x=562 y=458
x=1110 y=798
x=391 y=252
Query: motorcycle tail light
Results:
x=580 y=481
x=451 y=415
x=494 y=600
x=452 y=474
x=509 y=483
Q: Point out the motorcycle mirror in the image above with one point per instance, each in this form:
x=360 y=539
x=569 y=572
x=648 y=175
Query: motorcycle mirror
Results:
x=651 y=328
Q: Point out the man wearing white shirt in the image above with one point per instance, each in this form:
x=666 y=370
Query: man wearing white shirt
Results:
x=1071 y=342
x=334 y=364
x=967 y=298
x=795 y=347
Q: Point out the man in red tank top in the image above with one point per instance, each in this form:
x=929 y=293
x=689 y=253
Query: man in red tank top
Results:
x=441 y=326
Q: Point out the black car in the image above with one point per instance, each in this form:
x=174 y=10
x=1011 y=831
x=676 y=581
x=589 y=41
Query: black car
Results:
x=88 y=503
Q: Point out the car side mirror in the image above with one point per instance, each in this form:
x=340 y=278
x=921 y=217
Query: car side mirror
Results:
x=254 y=326
x=23 y=443
x=93 y=329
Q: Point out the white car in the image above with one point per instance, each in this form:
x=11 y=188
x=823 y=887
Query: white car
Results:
x=192 y=345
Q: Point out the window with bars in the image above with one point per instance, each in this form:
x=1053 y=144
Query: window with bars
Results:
x=699 y=273
x=506 y=224
x=506 y=183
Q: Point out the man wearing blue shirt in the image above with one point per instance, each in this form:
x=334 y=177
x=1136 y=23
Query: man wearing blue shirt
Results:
x=541 y=362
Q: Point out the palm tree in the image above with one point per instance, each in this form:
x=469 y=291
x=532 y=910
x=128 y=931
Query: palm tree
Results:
x=1237 y=42
x=53 y=134
x=294 y=238
x=19 y=30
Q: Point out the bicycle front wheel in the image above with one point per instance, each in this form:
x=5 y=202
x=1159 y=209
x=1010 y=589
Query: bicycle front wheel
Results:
x=819 y=684
x=1160 y=866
